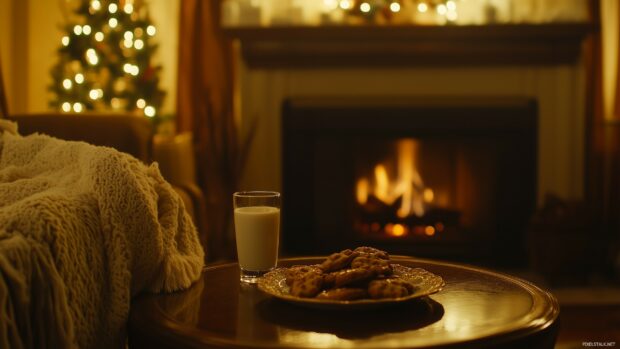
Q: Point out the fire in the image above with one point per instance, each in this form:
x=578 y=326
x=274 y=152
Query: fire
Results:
x=408 y=184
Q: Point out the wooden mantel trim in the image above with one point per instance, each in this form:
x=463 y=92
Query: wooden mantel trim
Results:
x=346 y=46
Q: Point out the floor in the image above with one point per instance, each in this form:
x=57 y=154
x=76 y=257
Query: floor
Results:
x=589 y=317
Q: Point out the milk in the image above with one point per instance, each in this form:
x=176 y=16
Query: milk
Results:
x=257 y=229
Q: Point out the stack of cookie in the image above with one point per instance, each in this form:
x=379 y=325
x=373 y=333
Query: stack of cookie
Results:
x=365 y=272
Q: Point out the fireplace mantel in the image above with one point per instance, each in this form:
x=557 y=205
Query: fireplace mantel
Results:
x=346 y=46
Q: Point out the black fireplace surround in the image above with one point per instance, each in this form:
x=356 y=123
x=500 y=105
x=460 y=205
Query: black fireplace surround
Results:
x=481 y=151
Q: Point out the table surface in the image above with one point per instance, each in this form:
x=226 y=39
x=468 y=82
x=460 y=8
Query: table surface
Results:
x=477 y=307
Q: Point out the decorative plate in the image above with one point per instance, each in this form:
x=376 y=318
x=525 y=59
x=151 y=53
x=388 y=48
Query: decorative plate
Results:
x=427 y=283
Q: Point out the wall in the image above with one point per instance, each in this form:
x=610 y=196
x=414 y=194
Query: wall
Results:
x=558 y=89
x=30 y=36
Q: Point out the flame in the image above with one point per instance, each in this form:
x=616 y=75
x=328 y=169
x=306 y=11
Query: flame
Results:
x=408 y=186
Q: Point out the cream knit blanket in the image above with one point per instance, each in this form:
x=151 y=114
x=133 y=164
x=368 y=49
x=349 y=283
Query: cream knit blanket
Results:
x=82 y=230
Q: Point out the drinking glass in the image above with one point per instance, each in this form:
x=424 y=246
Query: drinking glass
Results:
x=257 y=231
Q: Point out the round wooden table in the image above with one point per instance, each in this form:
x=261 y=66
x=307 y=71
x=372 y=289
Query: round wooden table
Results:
x=476 y=308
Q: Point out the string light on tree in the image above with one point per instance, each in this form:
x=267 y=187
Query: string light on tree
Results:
x=445 y=10
x=105 y=56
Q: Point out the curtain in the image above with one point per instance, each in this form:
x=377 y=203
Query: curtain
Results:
x=4 y=107
x=205 y=108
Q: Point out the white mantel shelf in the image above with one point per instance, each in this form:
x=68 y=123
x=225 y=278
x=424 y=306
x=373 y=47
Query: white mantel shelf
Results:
x=338 y=46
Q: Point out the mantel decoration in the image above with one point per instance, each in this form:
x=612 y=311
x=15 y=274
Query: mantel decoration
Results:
x=399 y=12
x=105 y=59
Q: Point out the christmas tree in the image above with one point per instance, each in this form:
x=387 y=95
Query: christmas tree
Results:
x=105 y=59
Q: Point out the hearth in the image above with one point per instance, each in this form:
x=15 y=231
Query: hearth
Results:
x=449 y=178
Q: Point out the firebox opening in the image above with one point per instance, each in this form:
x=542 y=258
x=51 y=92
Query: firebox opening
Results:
x=425 y=179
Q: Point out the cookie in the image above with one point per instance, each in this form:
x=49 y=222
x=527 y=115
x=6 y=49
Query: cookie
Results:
x=386 y=289
x=298 y=270
x=351 y=276
x=338 y=260
x=306 y=285
x=343 y=294
x=377 y=265
x=365 y=250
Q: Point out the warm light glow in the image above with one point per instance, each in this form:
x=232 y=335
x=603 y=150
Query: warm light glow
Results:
x=131 y=69
x=429 y=195
x=394 y=7
x=399 y=230
x=77 y=30
x=429 y=230
x=77 y=107
x=128 y=43
x=141 y=103
x=362 y=191
x=151 y=30
x=91 y=56
x=95 y=94
x=149 y=111
x=128 y=8
x=138 y=44
x=99 y=36
x=66 y=107
x=67 y=84
x=116 y=103
x=441 y=9
x=113 y=22
x=112 y=8
x=345 y=4
x=365 y=7
x=128 y=35
x=79 y=78
x=139 y=32
x=439 y=227
x=422 y=7
x=65 y=41
x=86 y=29
x=96 y=5
x=330 y=5
x=452 y=15
x=451 y=5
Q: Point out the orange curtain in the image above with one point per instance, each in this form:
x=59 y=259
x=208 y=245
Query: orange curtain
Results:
x=4 y=107
x=205 y=104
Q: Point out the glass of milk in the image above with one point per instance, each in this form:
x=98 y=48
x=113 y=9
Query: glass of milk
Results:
x=257 y=231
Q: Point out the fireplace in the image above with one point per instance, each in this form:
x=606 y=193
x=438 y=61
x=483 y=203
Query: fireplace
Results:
x=442 y=177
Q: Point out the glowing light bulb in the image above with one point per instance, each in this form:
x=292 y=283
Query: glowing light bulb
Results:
x=451 y=5
x=127 y=68
x=141 y=103
x=79 y=78
x=452 y=15
x=442 y=9
x=86 y=29
x=135 y=70
x=91 y=56
x=112 y=8
x=128 y=43
x=128 y=35
x=77 y=30
x=365 y=7
x=93 y=94
x=96 y=5
x=99 y=36
x=66 y=107
x=345 y=4
x=128 y=8
x=67 y=84
x=151 y=30
x=113 y=22
x=394 y=7
x=138 y=44
x=77 y=107
x=65 y=41
x=149 y=111
x=422 y=7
